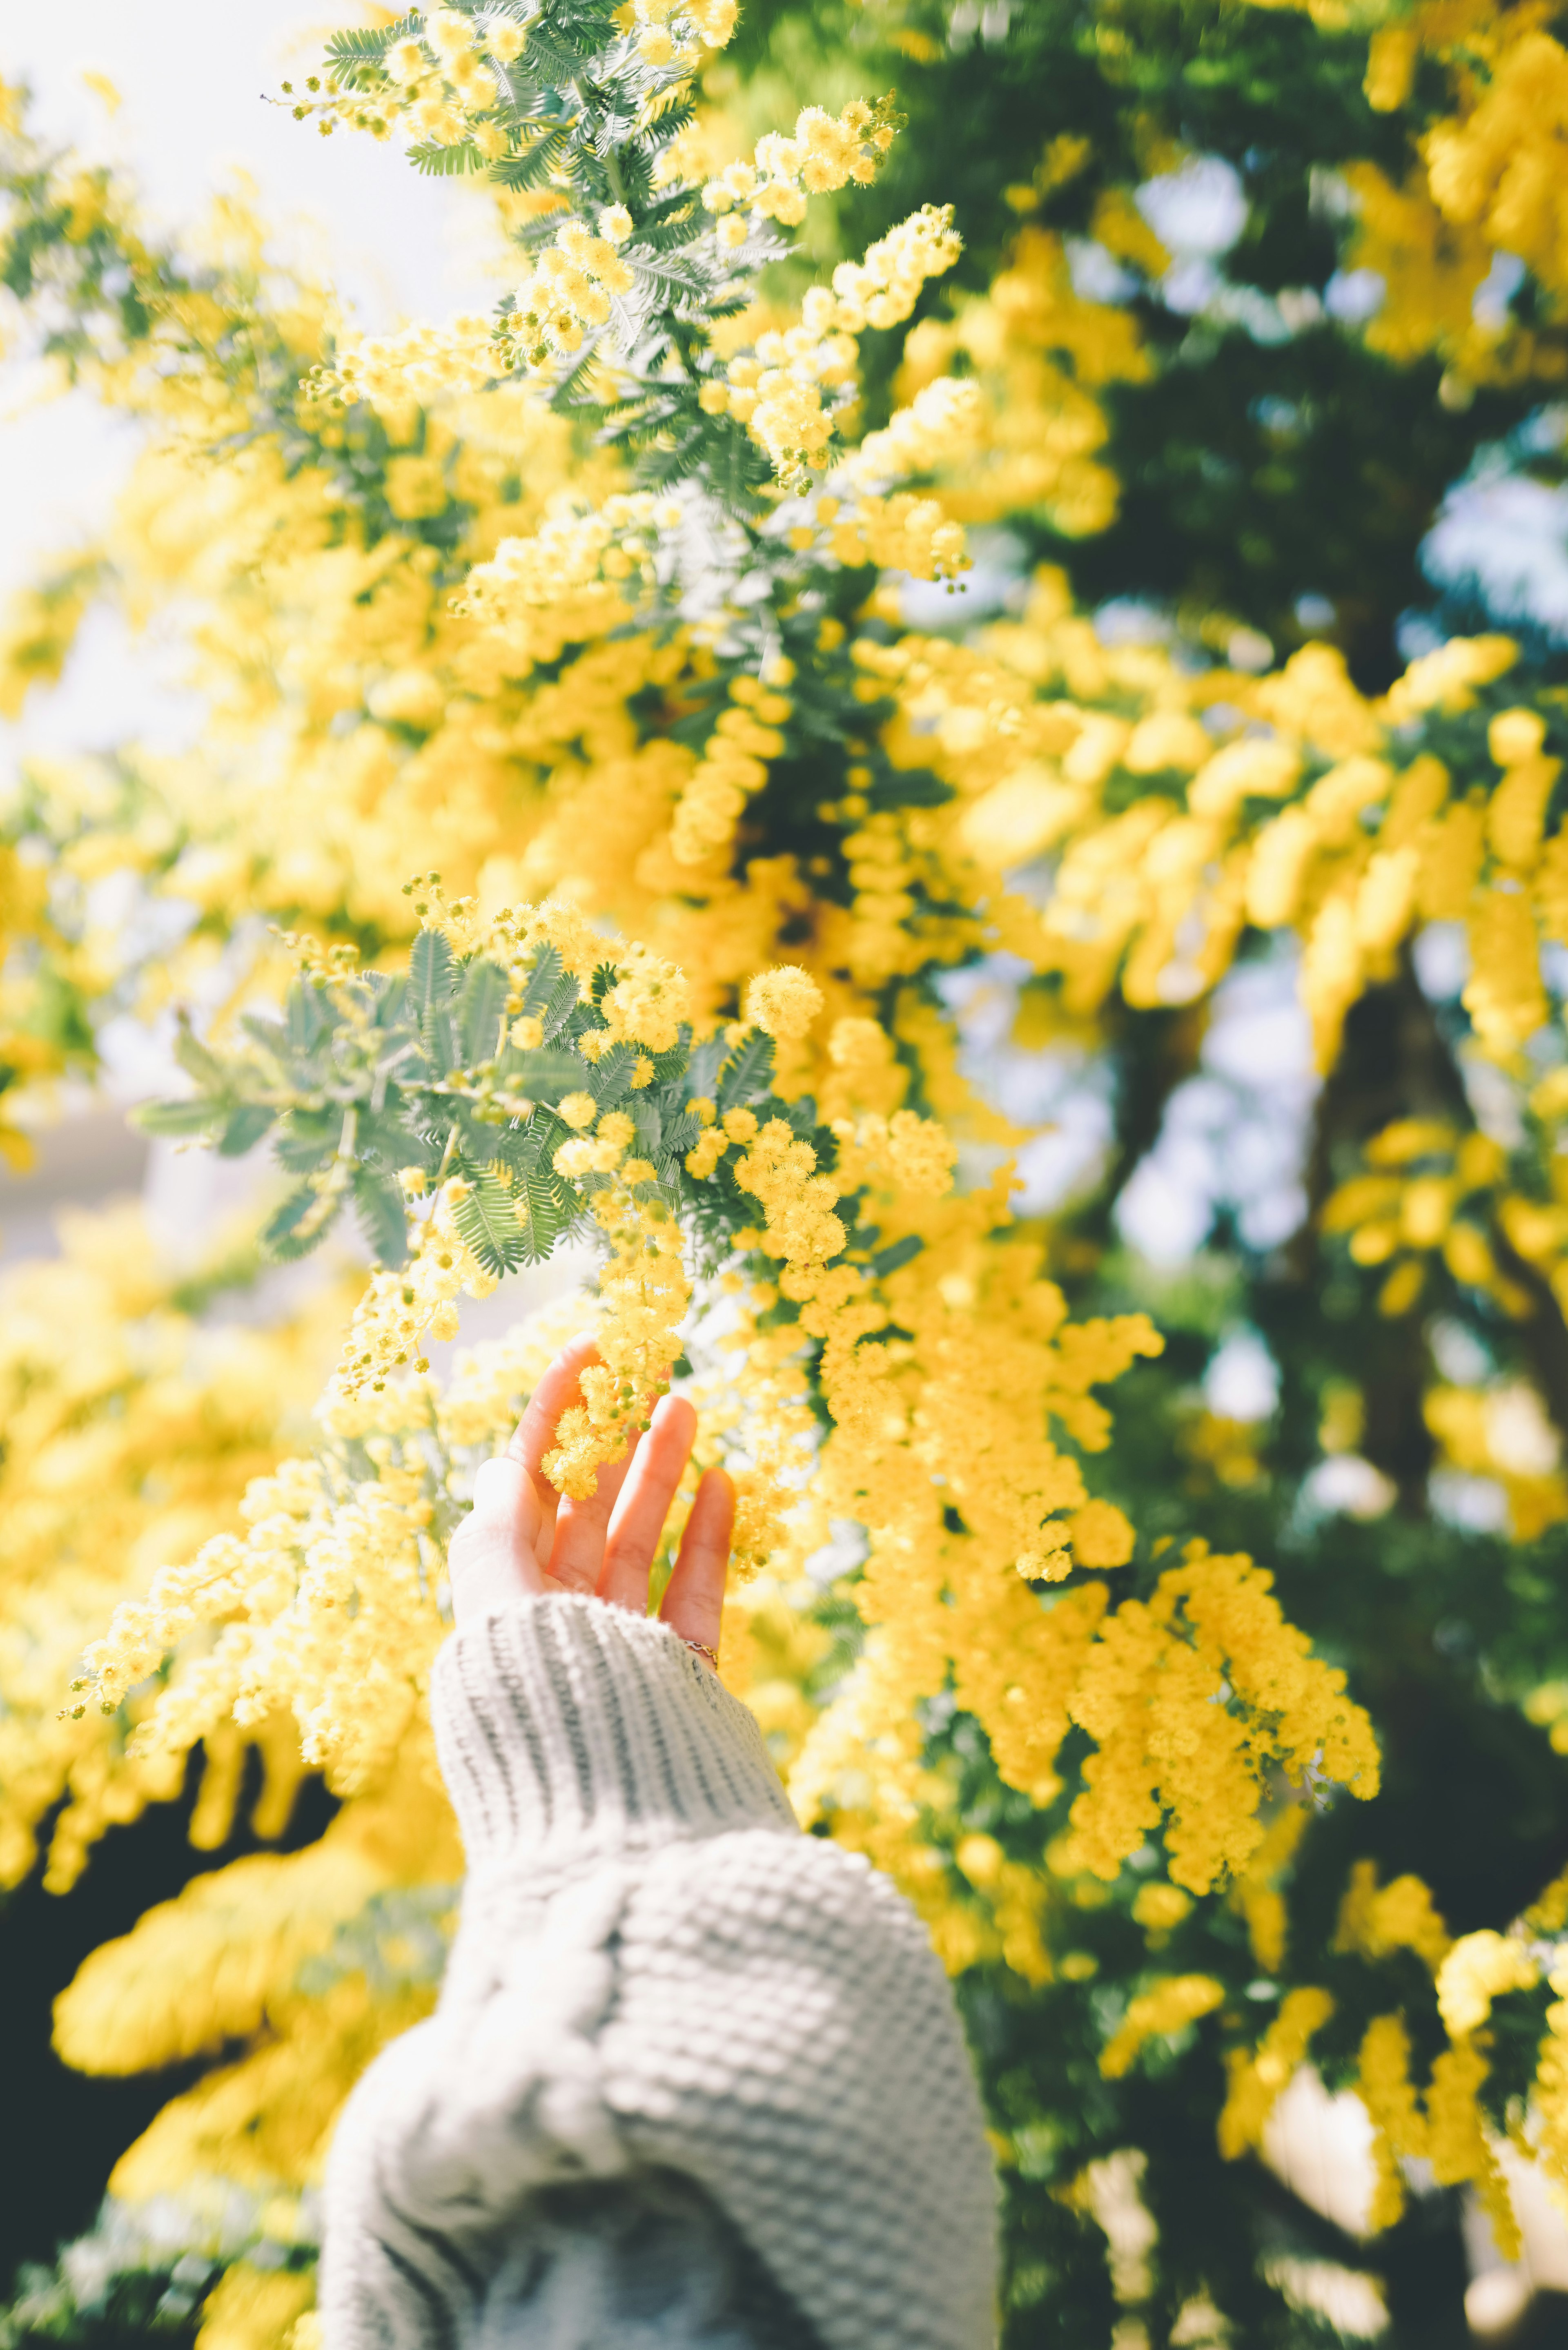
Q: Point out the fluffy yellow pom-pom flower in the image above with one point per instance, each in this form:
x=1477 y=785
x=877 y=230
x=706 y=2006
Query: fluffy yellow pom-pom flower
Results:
x=783 y=1002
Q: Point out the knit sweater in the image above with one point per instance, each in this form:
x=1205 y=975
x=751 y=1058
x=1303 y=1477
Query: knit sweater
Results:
x=694 y=2078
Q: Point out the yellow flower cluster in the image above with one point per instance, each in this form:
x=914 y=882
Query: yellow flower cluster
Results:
x=824 y=152
x=329 y=1604
x=1257 y=2076
x=665 y=26
x=415 y=363
x=1154 y=888
x=577 y=578
x=1487 y=184
x=309 y=1964
x=401 y=1309
x=1256 y=1892
x=1412 y=1207
x=648 y=1001
x=1399 y=2126
x=571 y=288
x=1452 y=2132
x=943 y=421
x=1375 y=1919
x=1039 y=352
x=545 y=730
x=882 y=289
x=568 y=290
x=645 y=1293
x=776 y=389
x=901 y=533
x=1153 y=1696
x=732 y=767
x=905 y=1152
x=783 y=1002
x=1169 y=2006
x=1501 y=165
x=1552 y=2079
x=1475 y=1970
x=131 y=1434
x=442 y=84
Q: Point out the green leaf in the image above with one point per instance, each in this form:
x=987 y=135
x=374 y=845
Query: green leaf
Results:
x=387 y=1140
x=430 y=972
x=702 y=1071
x=445 y=162
x=895 y=1254
x=535 y=165
x=650 y=1125
x=307 y=1015
x=609 y=1077
x=484 y=990
x=279 y=1236
x=546 y=1074
x=440 y=1043
x=306 y=1139
x=191 y=1117
x=382 y=1215
x=246 y=1127
x=750 y=1072
x=551 y=1207
x=369 y=46
x=487 y=1219
x=665 y=277
x=270 y=1034
x=197 y=1061
x=543 y=980
x=391 y=1000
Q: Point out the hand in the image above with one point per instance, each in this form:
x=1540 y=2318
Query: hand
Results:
x=522 y=1537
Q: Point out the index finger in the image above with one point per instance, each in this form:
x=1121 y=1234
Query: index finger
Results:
x=535 y=1434
x=694 y=1601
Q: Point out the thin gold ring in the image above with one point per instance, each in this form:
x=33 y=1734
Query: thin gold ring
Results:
x=700 y=1648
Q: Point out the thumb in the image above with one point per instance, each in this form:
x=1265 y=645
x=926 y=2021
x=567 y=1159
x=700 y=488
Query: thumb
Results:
x=493 y=1559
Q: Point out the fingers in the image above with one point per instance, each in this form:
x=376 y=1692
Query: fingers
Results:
x=637 y=1519
x=522 y=1536
x=576 y=1554
x=694 y=1603
x=496 y=1552
x=534 y=1433
x=493 y=1559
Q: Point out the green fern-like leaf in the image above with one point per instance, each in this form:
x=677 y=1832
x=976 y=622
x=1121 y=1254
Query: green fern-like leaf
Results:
x=430 y=973
x=488 y=1223
x=243 y=1128
x=478 y=1017
x=280 y=1236
x=748 y=1074
x=534 y=165
x=438 y=162
x=174 y=1118
x=552 y=1208
x=544 y=1075
x=196 y=1060
x=368 y=46
x=383 y=1216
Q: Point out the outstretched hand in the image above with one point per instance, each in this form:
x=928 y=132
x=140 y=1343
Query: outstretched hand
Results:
x=523 y=1538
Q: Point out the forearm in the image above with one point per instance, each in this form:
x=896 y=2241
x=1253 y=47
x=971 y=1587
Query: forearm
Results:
x=656 y=1973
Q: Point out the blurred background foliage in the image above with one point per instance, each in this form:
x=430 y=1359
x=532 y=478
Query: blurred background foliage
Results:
x=1267 y=303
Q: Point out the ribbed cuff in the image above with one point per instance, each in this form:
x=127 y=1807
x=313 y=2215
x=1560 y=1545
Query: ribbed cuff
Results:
x=569 y=1730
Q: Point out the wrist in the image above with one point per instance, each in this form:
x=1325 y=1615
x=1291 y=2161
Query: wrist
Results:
x=570 y=1731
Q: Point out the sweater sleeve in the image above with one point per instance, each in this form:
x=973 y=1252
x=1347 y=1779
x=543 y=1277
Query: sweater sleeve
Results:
x=656 y=1978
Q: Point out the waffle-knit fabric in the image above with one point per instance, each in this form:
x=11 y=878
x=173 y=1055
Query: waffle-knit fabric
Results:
x=656 y=1976
x=668 y=2020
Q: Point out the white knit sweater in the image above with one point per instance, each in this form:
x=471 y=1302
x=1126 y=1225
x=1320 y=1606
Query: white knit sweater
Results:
x=694 y=2079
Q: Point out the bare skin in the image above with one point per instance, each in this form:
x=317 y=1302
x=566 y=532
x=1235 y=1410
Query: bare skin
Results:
x=522 y=1537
